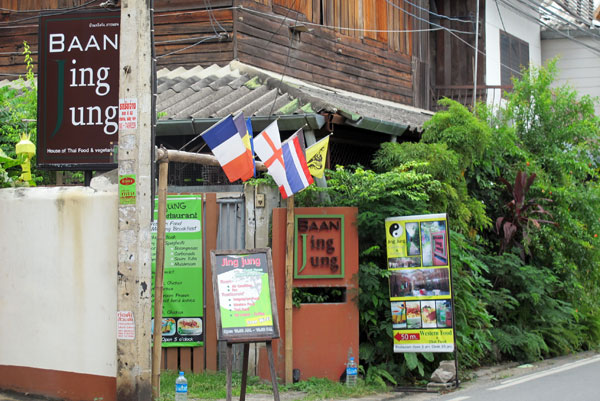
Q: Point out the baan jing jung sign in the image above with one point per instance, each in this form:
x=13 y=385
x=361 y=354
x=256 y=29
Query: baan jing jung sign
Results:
x=78 y=94
x=319 y=246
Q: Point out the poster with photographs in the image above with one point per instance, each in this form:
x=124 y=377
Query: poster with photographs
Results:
x=420 y=283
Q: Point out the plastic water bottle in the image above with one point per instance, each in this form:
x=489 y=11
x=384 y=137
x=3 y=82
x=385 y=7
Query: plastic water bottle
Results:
x=351 y=372
x=181 y=388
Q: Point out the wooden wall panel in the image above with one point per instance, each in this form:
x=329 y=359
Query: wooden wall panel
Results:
x=178 y=32
x=325 y=57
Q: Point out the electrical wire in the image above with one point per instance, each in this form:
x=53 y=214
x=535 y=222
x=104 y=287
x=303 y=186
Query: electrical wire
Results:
x=442 y=16
x=540 y=22
x=66 y=11
x=500 y=15
x=218 y=36
x=287 y=59
x=212 y=17
x=554 y=15
x=340 y=28
x=36 y=11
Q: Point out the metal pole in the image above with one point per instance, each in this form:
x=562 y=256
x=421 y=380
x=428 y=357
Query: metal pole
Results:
x=476 y=56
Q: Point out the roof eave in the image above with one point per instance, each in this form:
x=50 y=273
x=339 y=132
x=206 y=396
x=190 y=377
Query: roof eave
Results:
x=196 y=126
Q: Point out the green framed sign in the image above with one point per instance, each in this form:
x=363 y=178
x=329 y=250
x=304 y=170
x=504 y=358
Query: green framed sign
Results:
x=319 y=246
x=183 y=297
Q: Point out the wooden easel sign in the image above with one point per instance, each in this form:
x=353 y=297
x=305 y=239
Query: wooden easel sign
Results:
x=244 y=291
x=245 y=305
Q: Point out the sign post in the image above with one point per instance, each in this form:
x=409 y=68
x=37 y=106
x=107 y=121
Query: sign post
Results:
x=245 y=305
x=418 y=254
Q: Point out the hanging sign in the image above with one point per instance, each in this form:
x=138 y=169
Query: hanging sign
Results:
x=420 y=283
x=78 y=90
x=244 y=290
x=182 y=322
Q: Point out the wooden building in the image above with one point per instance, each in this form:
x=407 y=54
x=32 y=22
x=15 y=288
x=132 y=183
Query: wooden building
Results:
x=363 y=46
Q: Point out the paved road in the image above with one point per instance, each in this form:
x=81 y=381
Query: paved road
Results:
x=565 y=380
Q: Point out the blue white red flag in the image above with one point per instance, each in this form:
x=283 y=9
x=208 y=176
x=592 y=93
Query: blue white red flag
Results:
x=225 y=141
x=267 y=146
x=296 y=170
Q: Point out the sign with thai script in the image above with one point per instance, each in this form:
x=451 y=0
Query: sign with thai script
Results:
x=125 y=325
x=420 y=283
x=78 y=90
x=244 y=291
x=319 y=246
x=183 y=293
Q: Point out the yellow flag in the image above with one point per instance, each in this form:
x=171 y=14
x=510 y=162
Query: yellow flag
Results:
x=315 y=157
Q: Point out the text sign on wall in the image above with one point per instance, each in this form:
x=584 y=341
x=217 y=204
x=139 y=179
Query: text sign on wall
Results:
x=244 y=293
x=182 y=322
x=78 y=90
x=420 y=283
x=319 y=246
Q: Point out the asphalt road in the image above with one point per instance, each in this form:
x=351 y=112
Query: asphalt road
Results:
x=568 y=379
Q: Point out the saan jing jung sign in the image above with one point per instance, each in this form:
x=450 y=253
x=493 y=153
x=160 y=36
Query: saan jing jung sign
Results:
x=78 y=93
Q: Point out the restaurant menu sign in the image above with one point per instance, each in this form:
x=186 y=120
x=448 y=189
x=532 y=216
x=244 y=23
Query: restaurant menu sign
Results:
x=244 y=292
x=182 y=323
x=420 y=283
x=78 y=93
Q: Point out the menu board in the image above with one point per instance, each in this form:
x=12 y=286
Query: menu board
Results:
x=245 y=304
x=182 y=322
x=420 y=283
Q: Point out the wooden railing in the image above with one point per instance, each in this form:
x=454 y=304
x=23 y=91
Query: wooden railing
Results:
x=463 y=94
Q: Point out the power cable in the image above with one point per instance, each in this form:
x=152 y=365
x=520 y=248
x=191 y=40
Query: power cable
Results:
x=66 y=11
x=339 y=28
x=500 y=15
x=542 y=23
x=287 y=59
x=218 y=36
x=212 y=18
x=554 y=15
x=441 y=16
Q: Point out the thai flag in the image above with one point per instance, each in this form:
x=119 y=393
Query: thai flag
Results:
x=224 y=140
x=296 y=169
x=267 y=146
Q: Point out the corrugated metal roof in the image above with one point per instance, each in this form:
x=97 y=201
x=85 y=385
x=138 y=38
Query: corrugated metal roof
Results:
x=215 y=92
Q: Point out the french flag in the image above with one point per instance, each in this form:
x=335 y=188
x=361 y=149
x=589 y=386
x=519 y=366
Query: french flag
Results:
x=296 y=170
x=225 y=141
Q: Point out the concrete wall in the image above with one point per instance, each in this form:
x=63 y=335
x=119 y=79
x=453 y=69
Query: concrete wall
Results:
x=578 y=66
x=58 y=294
x=515 y=23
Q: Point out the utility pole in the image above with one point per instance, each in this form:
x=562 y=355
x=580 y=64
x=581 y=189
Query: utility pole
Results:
x=134 y=288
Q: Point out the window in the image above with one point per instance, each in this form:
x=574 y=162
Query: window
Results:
x=514 y=55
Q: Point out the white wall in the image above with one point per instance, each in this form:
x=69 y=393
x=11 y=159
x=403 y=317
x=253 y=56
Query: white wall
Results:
x=58 y=271
x=514 y=23
x=578 y=66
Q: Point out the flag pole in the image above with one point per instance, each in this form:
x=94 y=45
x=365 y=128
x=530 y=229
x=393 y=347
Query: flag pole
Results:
x=289 y=271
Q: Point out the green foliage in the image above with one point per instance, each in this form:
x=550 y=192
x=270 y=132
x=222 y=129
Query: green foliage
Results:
x=506 y=307
x=445 y=164
x=472 y=296
x=460 y=130
x=18 y=113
